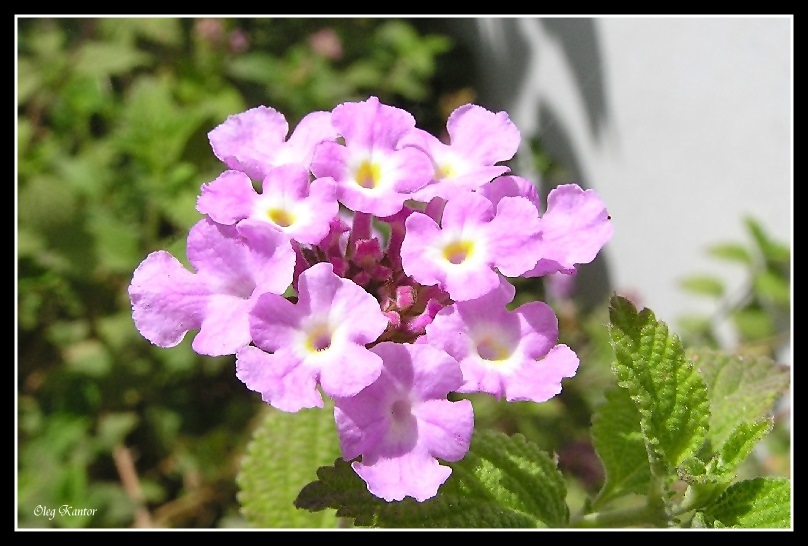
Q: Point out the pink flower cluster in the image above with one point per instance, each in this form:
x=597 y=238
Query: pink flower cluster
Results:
x=372 y=267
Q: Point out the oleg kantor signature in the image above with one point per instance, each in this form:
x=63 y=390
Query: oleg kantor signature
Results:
x=63 y=510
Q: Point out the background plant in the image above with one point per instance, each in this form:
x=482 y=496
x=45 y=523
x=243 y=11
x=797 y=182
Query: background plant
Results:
x=113 y=115
x=111 y=138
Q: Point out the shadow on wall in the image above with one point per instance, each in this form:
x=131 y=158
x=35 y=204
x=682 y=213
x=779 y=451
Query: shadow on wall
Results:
x=508 y=53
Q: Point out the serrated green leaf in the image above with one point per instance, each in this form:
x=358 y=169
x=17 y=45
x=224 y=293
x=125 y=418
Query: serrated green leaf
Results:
x=694 y=470
x=741 y=389
x=668 y=392
x=282 y=457
x=732 y=252
x=705 y=285
x=503 y=481
x=153 y=127
x=761 y=503
x=741 y=441
x=620 y=444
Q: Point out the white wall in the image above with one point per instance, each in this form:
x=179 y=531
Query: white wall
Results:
x=682 y=124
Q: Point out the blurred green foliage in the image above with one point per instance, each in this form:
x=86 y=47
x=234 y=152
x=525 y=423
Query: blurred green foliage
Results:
x=758 y=313
x=113 y=115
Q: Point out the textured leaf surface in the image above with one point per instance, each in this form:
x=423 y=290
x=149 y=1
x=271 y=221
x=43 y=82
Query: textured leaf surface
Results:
x=762 y=503
x=669 y=393
x=741 y=389
x=620 y=444
x=282 y=457
x=721 y=469
x=741 y=441
x=504 y=481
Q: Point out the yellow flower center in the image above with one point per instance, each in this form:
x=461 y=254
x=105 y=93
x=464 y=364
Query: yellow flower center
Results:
x=318 y=339
x=368 y=175
x=281 y=217
x=444 y=171
x=492 y=350
x=458 y=251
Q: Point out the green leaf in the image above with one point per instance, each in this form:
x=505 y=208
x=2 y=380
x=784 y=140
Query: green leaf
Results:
x=108 y=59
x=282 y=457
x=761 y=503
x=29 y=80
x=705 y=285
x=741 y=442
x=753 y=323
x=116 y=240
x=113 y=428
x=254 y=67
x=620 y=444
x=772 y=251
x=153 y=127
x=721 y=469
x=89 y=357
x=731 y=252
x=741 y=389
x=503 y=481
x=668 y=392
x=772 y=286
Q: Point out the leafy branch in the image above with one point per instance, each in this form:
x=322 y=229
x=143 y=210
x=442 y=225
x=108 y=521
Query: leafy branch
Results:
x=672 y=435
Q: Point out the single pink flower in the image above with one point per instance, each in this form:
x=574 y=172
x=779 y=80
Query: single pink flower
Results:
x=403 y=423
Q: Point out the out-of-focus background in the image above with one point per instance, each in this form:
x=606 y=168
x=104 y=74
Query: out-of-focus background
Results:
x=682 y=125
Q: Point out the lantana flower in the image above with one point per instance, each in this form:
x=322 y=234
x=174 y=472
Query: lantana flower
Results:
x=574 y=227
x=478 y=140
x=289 y=202
x=508 y=354
x=373 y=268
x=319 y=341
x=168 y=300
x=403 y=423
x=473 y=238
x=372 y=173
x=254 y=141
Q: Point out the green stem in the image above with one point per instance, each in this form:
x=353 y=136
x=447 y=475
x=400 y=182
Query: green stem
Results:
x=650 y=514
x=642 y=516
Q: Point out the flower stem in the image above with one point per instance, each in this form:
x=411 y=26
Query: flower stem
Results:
x=638 y=516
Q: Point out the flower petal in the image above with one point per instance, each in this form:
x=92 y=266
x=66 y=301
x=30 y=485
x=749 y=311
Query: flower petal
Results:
x=227 y=199
x=415 y=474
x=248 y=141
x=282 y=381
x=538 y=381
x=487 y=136
x=445 y=428
x=167 y=299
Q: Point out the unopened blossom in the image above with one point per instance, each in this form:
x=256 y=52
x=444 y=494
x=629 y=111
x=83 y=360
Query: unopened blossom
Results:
x=320 y=340
x=168 y=300
x=254 y=141
x=508 y=354
x=289 y=202
x=403 y=423
x=373 y=174
x=474 y=237
x=478 y=140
